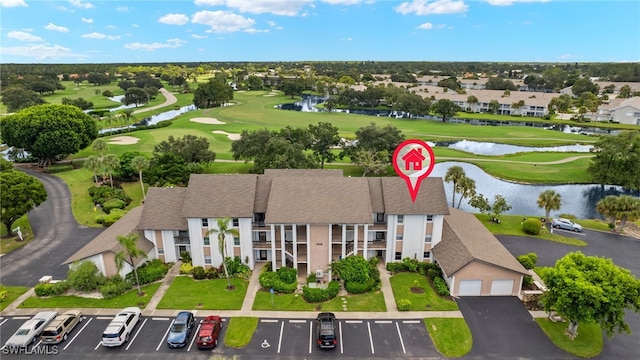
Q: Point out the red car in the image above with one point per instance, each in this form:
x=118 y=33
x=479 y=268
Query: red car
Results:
x=209 y=331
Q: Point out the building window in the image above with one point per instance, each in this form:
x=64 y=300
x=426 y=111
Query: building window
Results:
x=262 y=236
x=205 y=222
x=399 y=237
x=236 y=241
x=258 y=219
x=207 y=259
x=262 y=255
x=426 y=255
x=398 y=255
x=379 y=235
x=379 y=217
x=207 y=241
x=400 y=219
x=235 y=222
x=429 y=218
x=427 y=238
x=160 y=251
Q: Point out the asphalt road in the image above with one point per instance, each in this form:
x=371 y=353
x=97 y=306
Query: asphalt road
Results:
x=57 y=236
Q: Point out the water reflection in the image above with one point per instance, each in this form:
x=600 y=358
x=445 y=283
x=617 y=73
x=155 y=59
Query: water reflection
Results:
x=488 y=148
x=154 y=119
x=579 y=200
x=118 y=98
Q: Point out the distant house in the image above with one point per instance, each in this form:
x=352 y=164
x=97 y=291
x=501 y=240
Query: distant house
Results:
x=307 y=219
x=623 y=111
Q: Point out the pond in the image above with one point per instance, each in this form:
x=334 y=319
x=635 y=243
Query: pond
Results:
x=118 y=98
x=154 y=119
x=579 y=200
x=489 y=148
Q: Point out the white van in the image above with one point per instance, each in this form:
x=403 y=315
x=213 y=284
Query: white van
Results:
x=120 y=328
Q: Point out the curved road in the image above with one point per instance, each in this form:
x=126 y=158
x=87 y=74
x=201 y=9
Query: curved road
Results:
x=57 y=236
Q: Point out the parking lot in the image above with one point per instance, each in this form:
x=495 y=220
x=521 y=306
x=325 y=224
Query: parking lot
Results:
x=274 y=338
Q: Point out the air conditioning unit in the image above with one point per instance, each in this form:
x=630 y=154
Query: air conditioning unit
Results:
x=319 y=273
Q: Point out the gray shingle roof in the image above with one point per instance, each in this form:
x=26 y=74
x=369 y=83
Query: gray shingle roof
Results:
x=431 y=197
x=212 y=196
x=465 y=239
x=319 y=200
x=375 y=192
x=108 y=239
x=162 y=209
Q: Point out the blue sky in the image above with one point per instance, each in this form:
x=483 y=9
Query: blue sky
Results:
x=82 y=31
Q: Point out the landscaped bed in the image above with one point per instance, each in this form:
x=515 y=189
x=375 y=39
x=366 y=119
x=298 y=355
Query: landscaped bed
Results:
x=427 y=300
x=451 y=336
x=127 y=299
x=187 y=293
x=372 y=301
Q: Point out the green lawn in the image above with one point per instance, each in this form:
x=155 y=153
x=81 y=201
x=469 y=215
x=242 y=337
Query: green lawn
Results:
x=186 y=293
x=451 y=336
x=239 y=331
x=512 y=225
x=401 y=284
x=130 y=298
x=373 y=301
x=12 y=293
x=8 y=244
x=587 y=344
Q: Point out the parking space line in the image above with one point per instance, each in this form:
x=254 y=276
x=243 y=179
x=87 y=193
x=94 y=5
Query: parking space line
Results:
x=4 y=321
x=353 y=321
x=165 y=334
x=97 y=346
x=298 y=321
x=269 y=320
x=280 y=340
x=104 y=317
x=370 y=337
x=21 y=317
x=383 y=321
x=38 y=343
x=401 y=341
x=136 y=335
x=310 y=336
x=195 y=335
x=160 y=318
x=76 y=335
x=341 y=347
x=411 y=321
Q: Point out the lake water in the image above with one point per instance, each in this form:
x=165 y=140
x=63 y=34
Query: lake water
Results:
x=118 y=98
x=489 y=148
x=152 y=120
x=579 y=200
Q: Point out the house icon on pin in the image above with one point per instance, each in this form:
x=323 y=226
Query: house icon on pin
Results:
x=413 y=158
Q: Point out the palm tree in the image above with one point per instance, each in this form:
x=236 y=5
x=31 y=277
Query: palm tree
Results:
x=140 y=163
x=467 y=189
x=127 y=115
x=472 y=100
x=494 y=106
x=111 y=162
x=223 y=230
x=549 y=200
x=100 y=146
x=129 y=253
x=454 y=174
x=93 y=163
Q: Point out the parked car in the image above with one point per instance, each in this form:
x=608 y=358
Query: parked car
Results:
x=59 y=329
x=180 y=330
x=566 y=224
x=326 y=329
x=209 y=332
x=120 y=328
x=31 y=329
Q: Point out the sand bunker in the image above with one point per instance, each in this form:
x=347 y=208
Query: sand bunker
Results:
x=231 y=136
x=123 y=140
x=269 y=95
x=207 y=120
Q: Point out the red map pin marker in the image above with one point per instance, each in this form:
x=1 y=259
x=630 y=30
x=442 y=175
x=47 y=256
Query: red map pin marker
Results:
x=413 y=161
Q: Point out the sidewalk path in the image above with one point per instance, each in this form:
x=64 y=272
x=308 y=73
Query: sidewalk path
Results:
x=166 y=282
x=387 y=292
x=252 y=288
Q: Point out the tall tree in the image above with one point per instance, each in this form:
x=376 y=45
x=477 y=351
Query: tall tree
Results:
x=135 y=95
x=49 y=131
x=499 y=206
x=131 y=254
x=191 y=148
x=18 y=97
x=494 y=106
x=621 y=208
x=140 y=163
x=445 y=107
x=111 y=162
x=590 y=288
x=224 y=229
x=472 y=100
x=20 y=194
x=467 y=189
x=376 y=139
x=93 y=163
x=616 y=160
x=549 y=200
x=100 y=146
x=371 y=162
x=324 y=137
x=212 y=94
x=454 y=174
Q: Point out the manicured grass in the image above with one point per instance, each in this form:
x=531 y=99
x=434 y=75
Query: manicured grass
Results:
x=130 y=298
x=8 y=244
x=373 y=301
x=512 y=225
x=587 y=344
x=186 y=293
x=239 y=331
x=401 y=284
x=13 y=292
x=601 y=225
x=452 y=337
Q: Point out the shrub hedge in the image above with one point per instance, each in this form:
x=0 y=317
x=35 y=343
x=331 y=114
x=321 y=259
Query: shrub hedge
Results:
x=114 y=287
x=149 y=272
x=315 y=295
x=57 y=288
x=532 y=226
x=441 y=286
x=404 y=305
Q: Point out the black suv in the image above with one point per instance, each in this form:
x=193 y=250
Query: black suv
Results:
x=326 y=328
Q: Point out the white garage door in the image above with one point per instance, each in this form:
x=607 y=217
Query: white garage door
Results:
x=501 y=287
x=470 y=287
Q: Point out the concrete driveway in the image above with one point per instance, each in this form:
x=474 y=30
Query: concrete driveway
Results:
x=57 y=236
x=502 y=328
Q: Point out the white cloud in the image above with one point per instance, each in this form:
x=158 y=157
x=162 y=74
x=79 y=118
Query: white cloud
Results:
x=111 y=27
x=124 y=8
x=12 y=3
x=88 y=21
x=222 y=21
x=80 y=4
x=23 y=36
x=256 y=31
x=196 y=36
x=209 y=2
x=41 y=52
x=174 y=19
x=425 y=26
x=511 y=2
x=53 y=27
x=135 y=25
x=169 y=44
x=342 y=2
x=64 y=9
x=97 y=35
x=347 y=39
x=427 y=7
x=276 y=7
